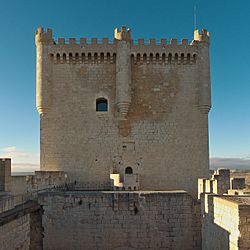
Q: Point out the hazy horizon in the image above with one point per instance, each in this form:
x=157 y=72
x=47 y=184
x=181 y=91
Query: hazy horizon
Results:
x=215 y=163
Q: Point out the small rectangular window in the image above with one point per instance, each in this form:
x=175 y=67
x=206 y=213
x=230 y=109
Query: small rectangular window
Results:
x=102 y=105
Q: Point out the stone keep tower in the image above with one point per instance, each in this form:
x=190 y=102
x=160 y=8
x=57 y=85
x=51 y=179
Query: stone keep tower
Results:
x=135 y=111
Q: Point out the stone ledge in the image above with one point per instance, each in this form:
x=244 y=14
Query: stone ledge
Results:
x=18 y=211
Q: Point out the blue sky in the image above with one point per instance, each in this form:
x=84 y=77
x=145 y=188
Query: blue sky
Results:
x=227 y=21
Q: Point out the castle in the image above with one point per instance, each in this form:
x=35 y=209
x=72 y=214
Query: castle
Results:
x=135 y=111
x=124 y=142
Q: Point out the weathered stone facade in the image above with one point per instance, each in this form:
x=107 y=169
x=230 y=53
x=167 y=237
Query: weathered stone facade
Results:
x=16 y=234
x=5 y=175
x=219 y=183
x=120 y=220
x=226 y=222
x=158 y=98
x=21 y=227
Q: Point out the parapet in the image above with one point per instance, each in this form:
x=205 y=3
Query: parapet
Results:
x=44 y=37
x=46 y=180
x=5 y=160
x=123 y=34
x=219 y=183
x=237 y=183
x=225 y=173
x=159 y=43
x=94 y=50
x=5 y=175
x=204 y=36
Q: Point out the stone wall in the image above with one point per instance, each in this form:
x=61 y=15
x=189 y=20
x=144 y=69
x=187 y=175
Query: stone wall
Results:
x=21 y=227
x=19 y=185
x=5 y=175
x=244 y=225
x=16 y=234
x=219 y=183
x=158 y=99
x=41 y=180
x=225 y=223
x=241 y=174
x=6 y=203
x=237 y=183
x=120 y=220
x=222 y=219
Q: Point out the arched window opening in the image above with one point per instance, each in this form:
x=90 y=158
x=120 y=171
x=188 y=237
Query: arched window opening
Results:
x=58 y=57
x=144 y=57
x=102 y=57
x=77 y=57
x=169 y=58
x=157 y=57
x=89 y=57
x=138 y=58
x=52 y=57
x=163 y=57
x=182 y=57
x=188 y=58
x=151 y=57
x=70 y=57
x=108 y=57
x=128 y=170
x=64 y=58
x=176 y=57
x=95 y=57
x=83 y=57
x=102 y=105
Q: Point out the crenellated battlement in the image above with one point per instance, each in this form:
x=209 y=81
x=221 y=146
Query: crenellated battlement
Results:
x=134 y=42
x=44 y=36
x=203 y=36
x=85 y=41
x=5 y=159
x=143 y=51
x=123 y=34
x=5 y=174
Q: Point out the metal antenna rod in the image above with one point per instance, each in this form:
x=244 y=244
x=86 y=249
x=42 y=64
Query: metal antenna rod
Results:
x=195 y=17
